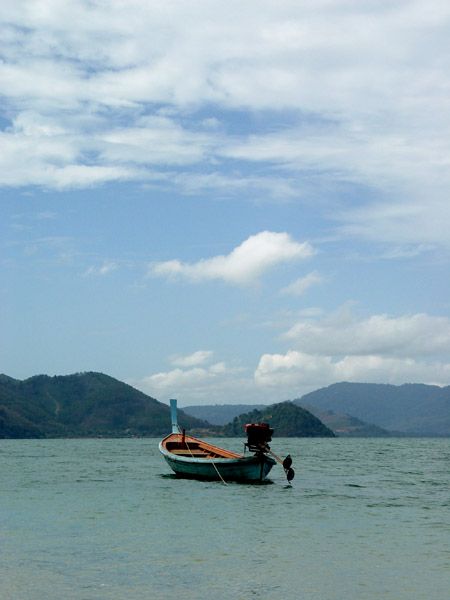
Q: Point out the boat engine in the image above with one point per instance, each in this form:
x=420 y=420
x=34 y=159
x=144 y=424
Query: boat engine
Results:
x=258 y=437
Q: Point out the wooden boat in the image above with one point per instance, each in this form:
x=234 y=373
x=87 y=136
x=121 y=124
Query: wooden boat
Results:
x=197 y=459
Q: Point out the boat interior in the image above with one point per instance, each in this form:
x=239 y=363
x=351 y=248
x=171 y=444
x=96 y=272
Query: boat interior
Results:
x=183 y=445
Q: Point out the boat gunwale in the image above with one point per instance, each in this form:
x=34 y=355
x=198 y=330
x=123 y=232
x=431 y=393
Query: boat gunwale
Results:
x=177 y=437
x=223 y=461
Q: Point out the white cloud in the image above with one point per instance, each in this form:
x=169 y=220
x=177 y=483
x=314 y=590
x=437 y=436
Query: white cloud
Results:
x=155 y=140
x=377 y=349
x=299 y=287
x=282 y=376
x=197 y=358
x=32 y=156
x=420 y=217
x=342 y=334
x=366 y=83
x=296 y=373
x=244 y=265
x=218 y=382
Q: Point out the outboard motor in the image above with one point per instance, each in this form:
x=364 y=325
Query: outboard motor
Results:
x=258 y=436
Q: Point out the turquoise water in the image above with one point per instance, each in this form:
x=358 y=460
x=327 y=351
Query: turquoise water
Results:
x=364 y=519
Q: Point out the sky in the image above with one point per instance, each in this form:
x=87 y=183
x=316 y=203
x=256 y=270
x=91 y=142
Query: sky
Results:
x=225 y=202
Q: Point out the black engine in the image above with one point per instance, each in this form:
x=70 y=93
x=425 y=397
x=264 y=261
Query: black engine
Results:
x=258 y=436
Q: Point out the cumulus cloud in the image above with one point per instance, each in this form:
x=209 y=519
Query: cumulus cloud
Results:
x=376 y=349
x=245 y=264
x=282 y=376
x=341 y=333
x=326 y=350
x=298 y=372
x=198 y=384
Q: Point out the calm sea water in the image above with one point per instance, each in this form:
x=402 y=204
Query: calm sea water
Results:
x=364 y=519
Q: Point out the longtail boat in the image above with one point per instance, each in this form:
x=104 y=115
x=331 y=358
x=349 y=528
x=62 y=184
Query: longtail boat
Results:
x=189 y=457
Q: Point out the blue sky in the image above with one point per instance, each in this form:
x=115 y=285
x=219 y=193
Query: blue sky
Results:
x=225 y=202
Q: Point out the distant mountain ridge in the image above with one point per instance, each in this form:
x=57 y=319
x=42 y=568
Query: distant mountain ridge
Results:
x=341 y=424
x=94 y=404
x=410 y=408
x=364 y=409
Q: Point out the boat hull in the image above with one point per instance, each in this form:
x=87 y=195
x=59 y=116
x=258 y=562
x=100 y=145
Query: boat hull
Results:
x=244 y=468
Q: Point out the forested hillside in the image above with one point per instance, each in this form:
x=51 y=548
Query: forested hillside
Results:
x=286 y=418
x=410 y=408
x=85 y=404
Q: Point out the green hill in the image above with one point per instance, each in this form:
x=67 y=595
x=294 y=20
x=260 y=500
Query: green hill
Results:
x=286 y=418
x=94 y=404
x=81 y=405
x=414 y=409
x=344 y=425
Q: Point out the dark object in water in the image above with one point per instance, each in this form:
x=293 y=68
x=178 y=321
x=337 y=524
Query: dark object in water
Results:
x=287 y=462
x=290 y=474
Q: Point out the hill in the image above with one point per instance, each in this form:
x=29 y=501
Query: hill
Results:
x=414 y=409
x=81 y=405
x=344 y=425
x=286 y=418
x=340 y=424
x=220 y=414
x=94 y=404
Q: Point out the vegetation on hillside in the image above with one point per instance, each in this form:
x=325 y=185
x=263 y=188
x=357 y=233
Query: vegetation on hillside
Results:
x=94 y=404
x=84 y=404
x=286 y=418
x=345 y=425
x=410 y=408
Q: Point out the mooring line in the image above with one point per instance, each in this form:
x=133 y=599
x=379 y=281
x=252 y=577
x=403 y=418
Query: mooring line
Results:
x=217 y=470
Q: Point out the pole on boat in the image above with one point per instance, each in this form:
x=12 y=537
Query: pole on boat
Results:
x=173 y=413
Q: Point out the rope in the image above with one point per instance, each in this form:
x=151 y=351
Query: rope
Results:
x=187 y=446
x=217 y=471
x=213 y=464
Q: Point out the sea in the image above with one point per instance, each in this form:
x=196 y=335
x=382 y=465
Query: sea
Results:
x=364 y=519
